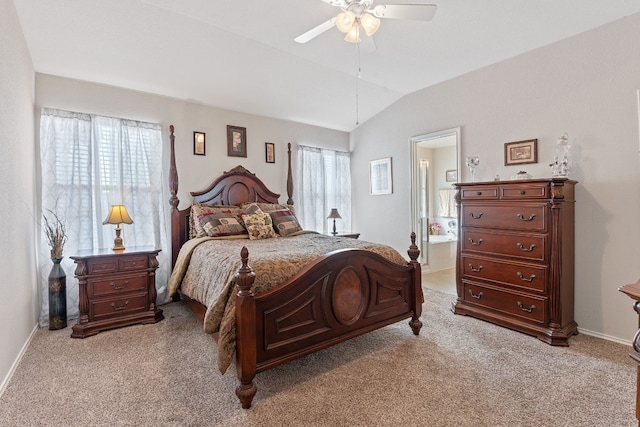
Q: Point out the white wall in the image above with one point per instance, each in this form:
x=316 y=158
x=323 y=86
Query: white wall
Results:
x=18 y=314
x=195 y=172
x=585 y=86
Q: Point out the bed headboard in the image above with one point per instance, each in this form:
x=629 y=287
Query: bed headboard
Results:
x=234 y=187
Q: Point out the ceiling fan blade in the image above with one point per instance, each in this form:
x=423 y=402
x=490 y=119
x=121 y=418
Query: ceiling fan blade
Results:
x=417 y=12
x=339 y=3
x=316 y=31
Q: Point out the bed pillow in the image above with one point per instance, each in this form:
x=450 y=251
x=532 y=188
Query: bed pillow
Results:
x=259 y=226
x=197 y=210
x=221 y=224
x=284 y=222
x=269 y=207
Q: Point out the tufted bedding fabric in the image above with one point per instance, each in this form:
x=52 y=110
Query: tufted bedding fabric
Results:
x=206 y=266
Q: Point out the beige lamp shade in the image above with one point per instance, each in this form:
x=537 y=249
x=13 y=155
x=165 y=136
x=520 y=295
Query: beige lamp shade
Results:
x=333 y=215
x=118 y=215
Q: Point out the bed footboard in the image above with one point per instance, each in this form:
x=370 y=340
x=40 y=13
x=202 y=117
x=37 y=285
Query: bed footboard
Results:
x=345 y=294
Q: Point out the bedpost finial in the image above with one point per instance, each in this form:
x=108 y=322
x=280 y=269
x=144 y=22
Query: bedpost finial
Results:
x=413 y=251
x=245 y=276
x=171 y=129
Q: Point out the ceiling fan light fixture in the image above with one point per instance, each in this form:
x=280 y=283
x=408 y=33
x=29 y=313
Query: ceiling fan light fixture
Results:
x=370 y=24
x=353 y=36
x=345 y=20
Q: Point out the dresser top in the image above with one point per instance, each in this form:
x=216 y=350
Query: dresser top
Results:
x=556 y=180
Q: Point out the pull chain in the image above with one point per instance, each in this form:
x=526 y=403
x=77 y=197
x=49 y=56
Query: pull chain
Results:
x=357 y=75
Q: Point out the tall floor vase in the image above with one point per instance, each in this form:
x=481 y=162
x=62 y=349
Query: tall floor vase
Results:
x=57 y=296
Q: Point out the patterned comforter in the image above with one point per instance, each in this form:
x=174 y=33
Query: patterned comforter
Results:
x=206 y=266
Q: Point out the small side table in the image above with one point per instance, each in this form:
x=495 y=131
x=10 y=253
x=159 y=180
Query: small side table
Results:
x=116 y=289
x=633 y=291
x=349 y=235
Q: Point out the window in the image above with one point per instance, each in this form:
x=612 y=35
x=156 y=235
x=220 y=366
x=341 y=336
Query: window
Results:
x=324 y=178
x=89 y=163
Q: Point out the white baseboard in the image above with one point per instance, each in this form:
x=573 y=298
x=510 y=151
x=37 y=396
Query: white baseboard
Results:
x=605 y=337
x=14 y=366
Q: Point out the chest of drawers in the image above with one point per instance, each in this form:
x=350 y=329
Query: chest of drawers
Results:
x=116 y=289
x=515 y=262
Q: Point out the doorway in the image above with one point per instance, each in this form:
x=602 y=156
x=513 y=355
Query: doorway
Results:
x=435 y=164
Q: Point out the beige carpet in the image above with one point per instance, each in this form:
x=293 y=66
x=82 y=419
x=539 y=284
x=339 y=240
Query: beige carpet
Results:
x=459 y=372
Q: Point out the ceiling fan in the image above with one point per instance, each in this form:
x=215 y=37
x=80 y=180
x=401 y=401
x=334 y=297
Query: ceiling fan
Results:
x=362 y=13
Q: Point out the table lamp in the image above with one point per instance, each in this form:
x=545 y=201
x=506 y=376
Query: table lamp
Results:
x=333 y=215
x=118 y=215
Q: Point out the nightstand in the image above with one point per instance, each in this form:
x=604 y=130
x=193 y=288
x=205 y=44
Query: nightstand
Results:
x=116 y=289
x=349 y=235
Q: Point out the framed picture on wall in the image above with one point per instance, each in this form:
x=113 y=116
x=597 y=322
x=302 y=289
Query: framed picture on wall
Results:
x=236 y=141
x=452 y=175
x=269 y=152
x=199 y=146
x=380 y=176
x=521 y=152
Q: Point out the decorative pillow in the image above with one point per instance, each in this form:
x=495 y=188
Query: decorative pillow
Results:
x=259 y=226
x=221 y=224
x=197 y=210
x=284 y=222
x=269 y=207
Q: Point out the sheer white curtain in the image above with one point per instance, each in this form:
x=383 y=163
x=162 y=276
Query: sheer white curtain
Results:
x=324 y=182
x=89 y=163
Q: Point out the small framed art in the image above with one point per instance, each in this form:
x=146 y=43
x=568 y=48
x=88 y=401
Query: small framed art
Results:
x=521 y=152
x=236 y=141
x=380 y=176
x=269 y=152
x=199 y=143
x=451 y=175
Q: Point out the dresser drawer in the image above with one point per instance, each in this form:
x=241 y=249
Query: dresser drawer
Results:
x=525 y=191
x=100 y=266
x=110 y=307
x=530 y=217
x=525 y=246
x=116 y=285
x=528 y=277
x=132 y=263
x=484 y=192
x=523 y=306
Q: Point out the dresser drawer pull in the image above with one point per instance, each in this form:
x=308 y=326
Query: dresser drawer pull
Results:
x=523 y=249
x=103 y=266
x=122 y=307
x=530 y=279
x=522 y=218
x=474 y=295
x=472 y=215
x=476 y=270
x=116 y=287
x=478 y=193
x=522 y=192
x=474 y=243
x=133 y=263
x=528 y=310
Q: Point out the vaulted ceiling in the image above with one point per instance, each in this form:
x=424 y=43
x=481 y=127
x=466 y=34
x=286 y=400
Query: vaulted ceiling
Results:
x=240 y=55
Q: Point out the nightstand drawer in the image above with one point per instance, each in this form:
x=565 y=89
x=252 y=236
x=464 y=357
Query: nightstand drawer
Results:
x=99 y=266
x=116 y=285
x=132 y=263
x=104 y=308
x=519 y=305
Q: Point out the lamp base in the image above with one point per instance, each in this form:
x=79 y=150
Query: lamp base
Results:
x=117 y=242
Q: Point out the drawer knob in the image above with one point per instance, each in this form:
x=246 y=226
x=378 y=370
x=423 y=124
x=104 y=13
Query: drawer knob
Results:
x=121 y=307
x=103 y=266
x=523 y=249
x=479 y=193
x=133 y=263
x=116 y=287
x=474 y=216
x=528 y=310
x=476 y=270
x=522 y=192
x=522 y=218
x=530 y=279
x=474 y=243
x=478 y=296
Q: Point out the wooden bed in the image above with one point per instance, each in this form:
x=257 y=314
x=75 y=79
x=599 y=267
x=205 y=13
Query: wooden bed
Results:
x=347 y=292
